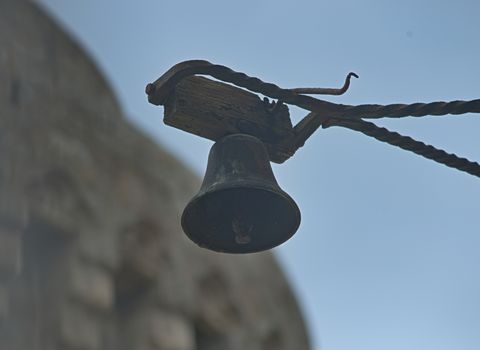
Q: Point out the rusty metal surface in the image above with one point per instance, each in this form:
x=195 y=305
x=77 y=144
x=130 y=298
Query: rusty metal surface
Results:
x=327 y=91
x=240 y=208
x=158 y=91
x=328 y=112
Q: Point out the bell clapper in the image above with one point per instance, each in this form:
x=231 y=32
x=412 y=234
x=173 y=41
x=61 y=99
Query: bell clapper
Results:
x=242 y=231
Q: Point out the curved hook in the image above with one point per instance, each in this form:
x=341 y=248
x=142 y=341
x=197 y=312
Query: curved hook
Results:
x=327 y=91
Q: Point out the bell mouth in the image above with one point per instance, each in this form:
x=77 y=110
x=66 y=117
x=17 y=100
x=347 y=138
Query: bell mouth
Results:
x=241 y=220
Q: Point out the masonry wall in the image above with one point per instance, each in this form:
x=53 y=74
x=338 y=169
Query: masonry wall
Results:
x=91 y=252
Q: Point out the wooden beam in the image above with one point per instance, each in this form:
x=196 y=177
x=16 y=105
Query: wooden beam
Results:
x=213 y=109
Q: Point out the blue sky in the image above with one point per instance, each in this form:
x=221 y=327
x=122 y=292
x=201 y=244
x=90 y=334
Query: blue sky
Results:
x=387 y=253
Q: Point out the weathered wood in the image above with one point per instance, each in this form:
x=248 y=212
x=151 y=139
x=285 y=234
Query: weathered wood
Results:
x=212 y=109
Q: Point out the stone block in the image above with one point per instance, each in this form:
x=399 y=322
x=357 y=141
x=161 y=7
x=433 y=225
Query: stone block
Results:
x=100 y=248
x=79 y=329
x=171 y=332
x=91 y=285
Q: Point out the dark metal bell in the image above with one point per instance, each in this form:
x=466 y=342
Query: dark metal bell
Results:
x=240 y=208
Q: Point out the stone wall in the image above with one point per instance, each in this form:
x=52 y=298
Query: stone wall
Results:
x=92 y=255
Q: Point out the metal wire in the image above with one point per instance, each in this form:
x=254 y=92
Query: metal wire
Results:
x=409 y=144
x=341 y=115
x=412 y=110
x=290 y=96
x=327 y=91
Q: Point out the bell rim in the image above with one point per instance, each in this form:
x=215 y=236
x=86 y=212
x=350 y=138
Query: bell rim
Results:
x=239 y=185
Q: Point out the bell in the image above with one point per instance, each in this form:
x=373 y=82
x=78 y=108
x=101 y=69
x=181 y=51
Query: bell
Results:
x=240 y=208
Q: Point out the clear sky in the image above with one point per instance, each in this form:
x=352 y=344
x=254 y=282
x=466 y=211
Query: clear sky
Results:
x=387 y=255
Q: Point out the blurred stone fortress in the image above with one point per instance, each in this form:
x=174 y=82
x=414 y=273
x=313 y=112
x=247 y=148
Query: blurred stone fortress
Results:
x=91 y=251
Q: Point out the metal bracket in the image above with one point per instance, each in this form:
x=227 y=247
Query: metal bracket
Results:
x=212 y=109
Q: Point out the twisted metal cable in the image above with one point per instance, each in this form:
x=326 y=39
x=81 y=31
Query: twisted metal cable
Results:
x=159 y=90
x=338 y=114
x=409 y=144
x=413 y=110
